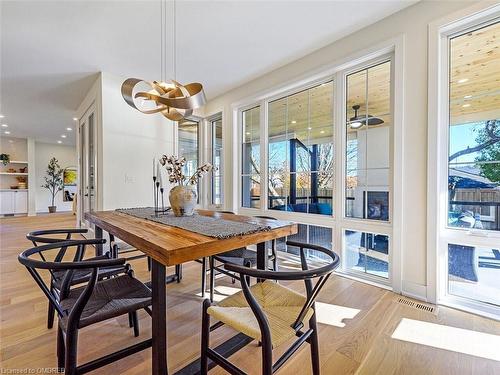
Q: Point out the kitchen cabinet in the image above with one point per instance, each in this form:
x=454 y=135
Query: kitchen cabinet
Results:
x=13 y=202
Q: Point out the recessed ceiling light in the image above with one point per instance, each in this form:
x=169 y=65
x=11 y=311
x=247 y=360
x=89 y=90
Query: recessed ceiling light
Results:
x=2 y=116
x=63 y=135
x=7 y=132
x=467 y=96
x=463 y=80
x=69 y=129
x=59 y=141
x=309 y=128
x=294 y=122
x=356 y=125
x=247 y=133
x=75 y=118
x=466 y=105
x=5 y=126
x=322 y=132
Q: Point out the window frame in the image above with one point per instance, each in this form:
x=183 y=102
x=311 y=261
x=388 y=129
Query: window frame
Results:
x=369 y=225
x=208 y=123
x=439 y=234
x=337 y=72
x=200 y=142
x=265 y=164
x=239 y=161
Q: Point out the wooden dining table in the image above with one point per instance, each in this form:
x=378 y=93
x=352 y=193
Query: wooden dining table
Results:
x=170 y=246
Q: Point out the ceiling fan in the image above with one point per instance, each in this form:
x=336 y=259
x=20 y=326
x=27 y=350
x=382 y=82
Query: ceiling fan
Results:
x=356 y=121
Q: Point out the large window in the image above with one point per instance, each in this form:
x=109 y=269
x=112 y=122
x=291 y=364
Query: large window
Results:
x=250 y=178
x=367 y=253
x=473 y=164
x=188 y=144
x=301 y=153
x=290 y=164
x=368 y=168
x=217 y=161
x=368 y=143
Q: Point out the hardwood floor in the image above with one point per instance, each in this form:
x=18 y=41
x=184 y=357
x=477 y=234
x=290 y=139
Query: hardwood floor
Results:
x=356 y=322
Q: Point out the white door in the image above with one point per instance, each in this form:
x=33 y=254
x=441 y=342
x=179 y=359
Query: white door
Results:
x=469 y=214
x=87 y=146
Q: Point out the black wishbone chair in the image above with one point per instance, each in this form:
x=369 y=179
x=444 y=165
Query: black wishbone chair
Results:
x=93 y=302
x=242 y=257
x=269 y=312
x=48 y=236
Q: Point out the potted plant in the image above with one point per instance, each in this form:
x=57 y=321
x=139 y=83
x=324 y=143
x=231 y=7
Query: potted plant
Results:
x=183 y=197
x=5 y=158
x=53 y=181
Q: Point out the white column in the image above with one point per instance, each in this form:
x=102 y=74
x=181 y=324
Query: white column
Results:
x=32 y=178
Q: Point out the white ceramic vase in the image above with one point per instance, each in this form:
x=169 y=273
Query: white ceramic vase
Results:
x=183 y=200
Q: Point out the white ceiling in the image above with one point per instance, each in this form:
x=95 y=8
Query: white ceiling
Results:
x=51 y=51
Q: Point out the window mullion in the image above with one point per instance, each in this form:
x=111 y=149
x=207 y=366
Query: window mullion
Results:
x=264 y=182
x=339 y=167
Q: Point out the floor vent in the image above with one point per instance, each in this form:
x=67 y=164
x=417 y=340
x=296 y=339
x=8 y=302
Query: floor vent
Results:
x=416 y=305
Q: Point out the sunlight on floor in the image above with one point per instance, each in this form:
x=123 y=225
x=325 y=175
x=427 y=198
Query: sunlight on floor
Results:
x=334 y=315
x=459 y=340
x=222 y=292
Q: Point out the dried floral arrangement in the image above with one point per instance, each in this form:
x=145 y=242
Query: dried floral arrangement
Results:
x=174 y=165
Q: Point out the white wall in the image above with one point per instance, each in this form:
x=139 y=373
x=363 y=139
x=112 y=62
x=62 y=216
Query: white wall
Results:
x=66 y=155
x=16 y=148
x=130 y=140
x=412 y=23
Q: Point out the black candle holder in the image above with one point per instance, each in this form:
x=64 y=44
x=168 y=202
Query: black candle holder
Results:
x=157 y=196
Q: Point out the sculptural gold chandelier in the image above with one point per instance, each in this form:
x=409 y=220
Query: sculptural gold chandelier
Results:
x=173 y=100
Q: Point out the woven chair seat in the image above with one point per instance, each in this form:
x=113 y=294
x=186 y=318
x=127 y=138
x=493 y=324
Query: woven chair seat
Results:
x=110 y=298
x=83 y=275
x=281 y=305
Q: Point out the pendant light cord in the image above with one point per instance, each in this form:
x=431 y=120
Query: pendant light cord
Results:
x=174 y=44
x=163 y=40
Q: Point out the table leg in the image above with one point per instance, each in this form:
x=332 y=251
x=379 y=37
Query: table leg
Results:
x=262 y=258
x=159 y=324
x=98 y=235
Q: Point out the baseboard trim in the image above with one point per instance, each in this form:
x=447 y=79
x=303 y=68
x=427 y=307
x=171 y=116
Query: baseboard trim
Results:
x=414 y=290
x=47 y=212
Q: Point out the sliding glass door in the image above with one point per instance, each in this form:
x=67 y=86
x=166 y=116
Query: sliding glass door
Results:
x=88 y=166
x=470 y=241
